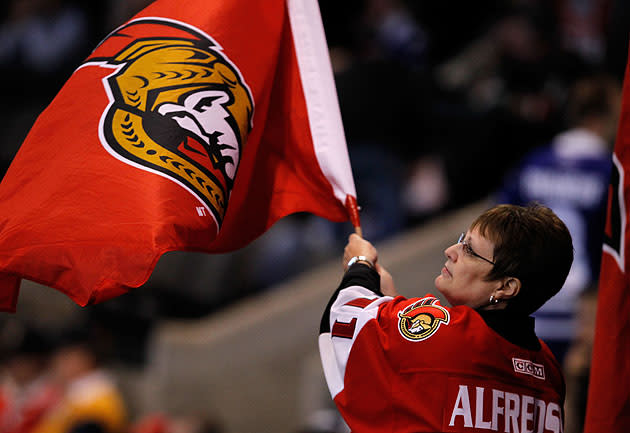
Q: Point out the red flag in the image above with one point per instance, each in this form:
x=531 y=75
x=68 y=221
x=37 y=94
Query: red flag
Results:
x=194 y=126
x=608 y=404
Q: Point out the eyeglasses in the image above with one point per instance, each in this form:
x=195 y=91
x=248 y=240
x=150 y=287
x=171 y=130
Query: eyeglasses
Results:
x=468 y=249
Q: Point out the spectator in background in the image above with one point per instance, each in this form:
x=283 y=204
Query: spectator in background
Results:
x=26 y=392
x=91 y=401
x=571 y=176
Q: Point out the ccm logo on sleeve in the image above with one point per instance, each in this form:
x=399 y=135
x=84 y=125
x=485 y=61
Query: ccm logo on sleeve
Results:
x=478 y=408
x=525 y=366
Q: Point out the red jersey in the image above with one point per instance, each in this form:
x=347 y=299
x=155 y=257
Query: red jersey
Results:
x=413 y=365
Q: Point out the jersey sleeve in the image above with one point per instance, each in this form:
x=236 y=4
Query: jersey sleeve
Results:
x=352 y=306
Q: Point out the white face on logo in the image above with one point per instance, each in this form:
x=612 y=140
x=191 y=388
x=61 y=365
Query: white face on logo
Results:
x=203 y=114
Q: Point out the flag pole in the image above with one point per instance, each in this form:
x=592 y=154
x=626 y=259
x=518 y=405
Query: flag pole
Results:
x=353 y=211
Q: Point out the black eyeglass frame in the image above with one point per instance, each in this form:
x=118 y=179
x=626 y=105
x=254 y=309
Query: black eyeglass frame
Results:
x=469 y=249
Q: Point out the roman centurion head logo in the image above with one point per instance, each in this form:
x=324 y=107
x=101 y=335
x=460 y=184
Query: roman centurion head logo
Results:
x=178 y=107
x=421 y=319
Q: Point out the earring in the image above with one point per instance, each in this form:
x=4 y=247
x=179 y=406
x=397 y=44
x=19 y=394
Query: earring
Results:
x=493 y=300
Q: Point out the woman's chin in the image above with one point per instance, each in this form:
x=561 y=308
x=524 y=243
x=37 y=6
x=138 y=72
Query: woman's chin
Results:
x=438 y=282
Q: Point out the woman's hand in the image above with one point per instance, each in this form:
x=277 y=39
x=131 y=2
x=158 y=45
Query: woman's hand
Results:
x=357 y=246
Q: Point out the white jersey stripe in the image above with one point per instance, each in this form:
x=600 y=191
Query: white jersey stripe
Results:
x=334 y=351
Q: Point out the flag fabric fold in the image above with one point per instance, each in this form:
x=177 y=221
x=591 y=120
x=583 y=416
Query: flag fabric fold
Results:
x=181 y=132
x=608 y=403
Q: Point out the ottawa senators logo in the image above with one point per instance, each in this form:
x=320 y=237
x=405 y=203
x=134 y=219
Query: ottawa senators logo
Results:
x=421 y=319
x=178 y=107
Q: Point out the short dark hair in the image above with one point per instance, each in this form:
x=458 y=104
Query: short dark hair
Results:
x=532 y=244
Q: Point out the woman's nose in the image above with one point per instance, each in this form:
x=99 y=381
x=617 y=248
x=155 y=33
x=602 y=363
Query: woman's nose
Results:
x=451 y=252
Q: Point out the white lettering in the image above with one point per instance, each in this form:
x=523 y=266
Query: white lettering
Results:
x=526 y=416
x=512 y=406
x=464 y=409
x=510 y=412
x=540 y=415
x=553 y=421
x=568 y=187
x=479 y=422
x=496 y=408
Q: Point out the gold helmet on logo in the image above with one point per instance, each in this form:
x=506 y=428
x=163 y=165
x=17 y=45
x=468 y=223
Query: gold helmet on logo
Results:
x=179 y=107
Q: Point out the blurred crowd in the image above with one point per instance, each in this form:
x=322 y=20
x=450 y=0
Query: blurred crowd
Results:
x=443 y=103
x=59 y=383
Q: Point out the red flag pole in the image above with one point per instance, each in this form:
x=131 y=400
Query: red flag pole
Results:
x=353 y=211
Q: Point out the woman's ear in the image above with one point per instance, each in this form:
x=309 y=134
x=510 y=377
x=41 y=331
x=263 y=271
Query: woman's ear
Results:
x=511 y=287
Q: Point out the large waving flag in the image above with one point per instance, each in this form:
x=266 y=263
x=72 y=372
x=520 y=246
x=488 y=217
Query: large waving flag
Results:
x=194 y=126
x=608 y=404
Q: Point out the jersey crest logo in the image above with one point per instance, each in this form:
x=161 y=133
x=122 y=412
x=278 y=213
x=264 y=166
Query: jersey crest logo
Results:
x=178 y=107
x=422 y=319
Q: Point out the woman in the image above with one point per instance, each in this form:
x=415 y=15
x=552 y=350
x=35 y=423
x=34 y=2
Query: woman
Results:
x=412 y=365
